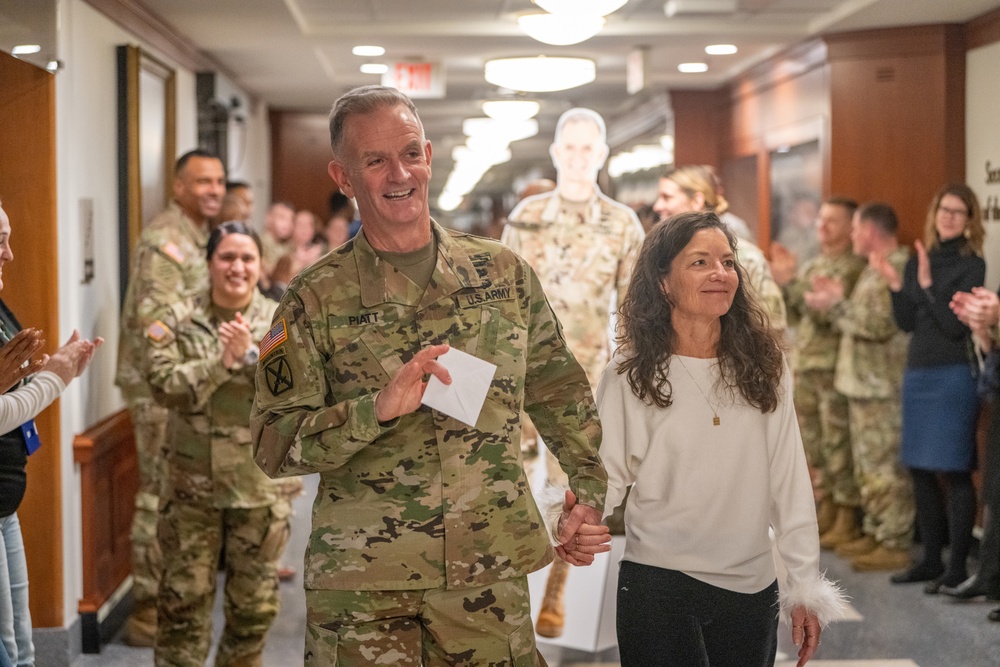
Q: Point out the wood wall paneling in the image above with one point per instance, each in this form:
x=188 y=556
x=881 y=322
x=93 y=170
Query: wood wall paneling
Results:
x=300 y=150
x=699 y=127
x=28 y=189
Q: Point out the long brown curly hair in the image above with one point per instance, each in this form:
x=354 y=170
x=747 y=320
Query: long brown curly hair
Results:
x=749 y=351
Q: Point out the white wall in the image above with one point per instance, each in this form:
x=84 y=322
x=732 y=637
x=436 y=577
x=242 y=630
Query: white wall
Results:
x=87 y=159
x=982 y=146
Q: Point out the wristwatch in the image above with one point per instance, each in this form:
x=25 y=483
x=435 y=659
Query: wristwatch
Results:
x=251 y=357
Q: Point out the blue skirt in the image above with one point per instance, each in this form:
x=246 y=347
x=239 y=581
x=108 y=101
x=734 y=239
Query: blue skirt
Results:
x=940 y=408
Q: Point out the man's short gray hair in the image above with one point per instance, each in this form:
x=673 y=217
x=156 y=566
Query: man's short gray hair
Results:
x=362 y=100
x=580 y=114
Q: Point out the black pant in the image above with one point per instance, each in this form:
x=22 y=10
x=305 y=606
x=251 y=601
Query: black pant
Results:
x=666 y=618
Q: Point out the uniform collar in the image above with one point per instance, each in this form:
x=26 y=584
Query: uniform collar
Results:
x=551 y=211
x=380 y=283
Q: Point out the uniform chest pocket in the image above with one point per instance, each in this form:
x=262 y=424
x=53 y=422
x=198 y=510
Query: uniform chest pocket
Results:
x=502 y=341
x=363 y=365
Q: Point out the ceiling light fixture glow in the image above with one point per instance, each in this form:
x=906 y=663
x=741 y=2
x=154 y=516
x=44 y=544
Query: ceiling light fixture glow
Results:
x=577 y=7
x=511 y=110
x=721 y=49
x=374 y=68
x=692 y=68
x=540 y=74
x=560 y=29
x=25 y=49
x=369 y=51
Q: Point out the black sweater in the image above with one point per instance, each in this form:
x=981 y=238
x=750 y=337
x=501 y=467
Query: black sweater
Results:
x=939 y=338
x=13 y=450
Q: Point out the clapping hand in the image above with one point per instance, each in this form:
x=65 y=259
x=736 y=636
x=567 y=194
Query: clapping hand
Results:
x=70 y=360
x=784 y=264
x=880 y=262
x=16 y=361
x=979 y=310
x=581 y=533
x=236 y=340
x=824 y=293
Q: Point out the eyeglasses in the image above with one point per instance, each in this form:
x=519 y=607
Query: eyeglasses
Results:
x=954 y=212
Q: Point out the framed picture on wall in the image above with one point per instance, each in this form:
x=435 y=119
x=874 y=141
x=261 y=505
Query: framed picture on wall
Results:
x=147 y=131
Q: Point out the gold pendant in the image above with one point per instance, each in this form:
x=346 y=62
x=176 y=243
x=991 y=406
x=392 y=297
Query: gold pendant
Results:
x=715 y=421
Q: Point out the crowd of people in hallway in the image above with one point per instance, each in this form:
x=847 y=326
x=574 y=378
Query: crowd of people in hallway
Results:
x=832 y=401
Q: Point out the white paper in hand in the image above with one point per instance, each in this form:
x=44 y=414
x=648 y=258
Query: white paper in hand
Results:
x=470 y=381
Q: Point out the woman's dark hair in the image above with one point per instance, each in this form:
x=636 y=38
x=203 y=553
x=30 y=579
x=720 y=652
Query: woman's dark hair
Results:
x=227 y=228
x=750 y=353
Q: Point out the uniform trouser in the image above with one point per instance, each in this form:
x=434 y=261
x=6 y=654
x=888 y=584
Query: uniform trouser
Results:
x=823 y=421
x=886 y=488
x=485 y=625
x=149 y=422
x=190 y=537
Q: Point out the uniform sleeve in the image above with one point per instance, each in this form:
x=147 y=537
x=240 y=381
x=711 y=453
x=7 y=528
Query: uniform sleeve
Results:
x=28 y=400
x=869 y=318
x=183 y=381
x=159 y=282
x=296 y=426
x=614 y=398
x=793 y=516
x=558 y=399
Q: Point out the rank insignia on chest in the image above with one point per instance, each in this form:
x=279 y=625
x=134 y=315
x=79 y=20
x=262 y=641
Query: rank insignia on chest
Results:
x=278 y=375
x=274 y=338
x=157 y=331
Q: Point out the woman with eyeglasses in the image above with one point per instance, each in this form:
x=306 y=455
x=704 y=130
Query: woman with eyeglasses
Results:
x=940 y=404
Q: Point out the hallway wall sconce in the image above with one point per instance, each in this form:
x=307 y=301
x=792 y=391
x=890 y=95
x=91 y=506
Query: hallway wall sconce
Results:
x=541 y=73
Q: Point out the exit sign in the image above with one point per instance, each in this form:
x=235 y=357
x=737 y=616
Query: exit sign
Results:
x=416 y=79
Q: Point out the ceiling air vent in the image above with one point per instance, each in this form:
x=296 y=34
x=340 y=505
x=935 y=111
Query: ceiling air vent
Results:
x=699 y=7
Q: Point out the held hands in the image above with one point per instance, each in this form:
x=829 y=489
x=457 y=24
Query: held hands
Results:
x=880 y=262
x=236 y=340
x=70 y=360
x=825 y=292
x=405 y=390
x=806 y=631
x=581 y=533
x=15 y=354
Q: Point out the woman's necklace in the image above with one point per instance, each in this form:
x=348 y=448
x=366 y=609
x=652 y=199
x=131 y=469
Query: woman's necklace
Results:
x=715 y=412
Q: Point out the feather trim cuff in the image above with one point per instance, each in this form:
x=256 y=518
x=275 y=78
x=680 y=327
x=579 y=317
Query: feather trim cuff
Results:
x=818 y=595
x=550 y=503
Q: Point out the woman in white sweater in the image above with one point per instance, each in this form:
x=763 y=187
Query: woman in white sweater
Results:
x=698 y=418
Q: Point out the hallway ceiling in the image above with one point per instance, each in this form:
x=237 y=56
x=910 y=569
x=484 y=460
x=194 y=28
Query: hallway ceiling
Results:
x=296 y=54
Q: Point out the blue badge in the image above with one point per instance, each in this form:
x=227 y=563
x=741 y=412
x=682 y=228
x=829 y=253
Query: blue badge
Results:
x=31 y=439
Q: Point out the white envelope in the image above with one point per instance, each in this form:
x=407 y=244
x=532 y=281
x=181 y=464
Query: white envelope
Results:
x=470 y=382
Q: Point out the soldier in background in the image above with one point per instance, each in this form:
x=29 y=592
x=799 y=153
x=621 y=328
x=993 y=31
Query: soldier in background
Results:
x=238 y=202
x=582 y=245
x=821 y=409
x=168 y=265
x=869 y=372
x=276 y=242
x=201 y=359
x=424 y=528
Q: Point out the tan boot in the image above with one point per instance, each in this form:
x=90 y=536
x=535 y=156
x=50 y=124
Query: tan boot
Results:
x=140 y=630
x=825 y=515
x=845 y=528
x=858 y=547
x=881 y=559
x=551 y=618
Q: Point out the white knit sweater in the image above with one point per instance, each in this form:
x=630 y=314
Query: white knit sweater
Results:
x=19 y=405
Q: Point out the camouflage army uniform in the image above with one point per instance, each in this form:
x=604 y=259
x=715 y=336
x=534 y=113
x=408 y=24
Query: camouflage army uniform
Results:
x=168 y=265
x=870 y=365
x=272 y=251
x=423 y=506
x=758 y=273
x=214 y=495
x=821 y=409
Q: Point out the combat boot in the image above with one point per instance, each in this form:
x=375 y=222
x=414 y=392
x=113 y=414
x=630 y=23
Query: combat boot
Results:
x=140 y=630
x=881 y=559
x=858 y=547
x=551 y=618
x=825 y=515
x=845 y=528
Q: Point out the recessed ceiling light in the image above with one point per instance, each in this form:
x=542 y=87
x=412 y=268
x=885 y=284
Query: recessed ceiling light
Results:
x=368 y=51
x=25 y=49
x=541 y=73
x=721 y=49
x=692 y=68
x=374 y=68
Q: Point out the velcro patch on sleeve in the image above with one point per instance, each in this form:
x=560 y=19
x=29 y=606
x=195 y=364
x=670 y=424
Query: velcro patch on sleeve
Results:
x=274 y=338
x=278 y=375
x=157 y=331
x=171 y=250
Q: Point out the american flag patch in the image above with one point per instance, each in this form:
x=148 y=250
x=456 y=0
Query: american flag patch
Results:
x=275 y=337
x=156 y=331
x=173 y=252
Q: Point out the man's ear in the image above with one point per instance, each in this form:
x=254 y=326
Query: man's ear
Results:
x=339 y=176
